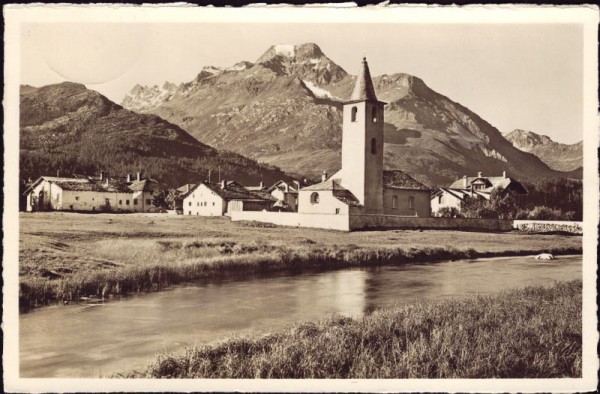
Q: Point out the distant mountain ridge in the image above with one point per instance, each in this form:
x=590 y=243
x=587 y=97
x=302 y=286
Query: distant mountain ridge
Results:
x=286 y=109
x=561 y=157
x=68 y=128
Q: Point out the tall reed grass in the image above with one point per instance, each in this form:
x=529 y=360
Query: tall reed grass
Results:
x=528 y=333
x=231 y=259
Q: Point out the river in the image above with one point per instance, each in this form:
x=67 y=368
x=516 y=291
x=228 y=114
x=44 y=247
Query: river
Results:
x=95 y=340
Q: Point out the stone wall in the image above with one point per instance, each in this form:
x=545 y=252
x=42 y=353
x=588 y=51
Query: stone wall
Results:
x=545 y=226
x=294 y=219
x=363 y=222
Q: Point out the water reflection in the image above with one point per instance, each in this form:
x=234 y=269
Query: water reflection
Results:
x=95 y=340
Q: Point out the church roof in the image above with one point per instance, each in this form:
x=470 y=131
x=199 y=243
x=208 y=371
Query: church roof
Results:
x=397 y=179
x=363 y=89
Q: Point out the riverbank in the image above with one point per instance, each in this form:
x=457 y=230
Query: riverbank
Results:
x=64 y=256
x=527 y=333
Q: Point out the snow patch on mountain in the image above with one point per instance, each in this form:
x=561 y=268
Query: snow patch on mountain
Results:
x=287 y=50
x=317 y=91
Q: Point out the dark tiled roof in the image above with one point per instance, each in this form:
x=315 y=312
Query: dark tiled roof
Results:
x=397 y=179
x=281 y=186
x=93 y=184
x=330 y=184
x=499 y=182
x=346 y=197
x=145 y=185
x=233 y=191
x=80 y=186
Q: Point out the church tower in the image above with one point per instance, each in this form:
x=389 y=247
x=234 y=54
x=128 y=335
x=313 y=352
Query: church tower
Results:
x=362 y=143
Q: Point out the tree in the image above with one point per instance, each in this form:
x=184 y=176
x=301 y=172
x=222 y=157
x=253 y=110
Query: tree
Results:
x=159 y=198
x=174 y=200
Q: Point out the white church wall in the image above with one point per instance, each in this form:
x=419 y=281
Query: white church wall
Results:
x=327 y=203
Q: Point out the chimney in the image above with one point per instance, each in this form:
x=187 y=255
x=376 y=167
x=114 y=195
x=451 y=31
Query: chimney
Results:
x=465 y=183
x=223 y=184
x=128 y=178
x=106 y=181
x=287 y=188
x=58 y=173
x=504 y=174
x=187 y=187
x=324 y=176
x=139 y=176
x=297 y=185
x=479 y=174
x=261 y=185
x=101 y=175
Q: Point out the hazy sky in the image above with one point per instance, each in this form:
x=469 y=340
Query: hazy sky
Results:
x=514 y=76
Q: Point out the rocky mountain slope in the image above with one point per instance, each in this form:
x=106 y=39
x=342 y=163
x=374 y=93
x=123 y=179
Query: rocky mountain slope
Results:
x=562 y=157
x=286 y=109
x=71 y=129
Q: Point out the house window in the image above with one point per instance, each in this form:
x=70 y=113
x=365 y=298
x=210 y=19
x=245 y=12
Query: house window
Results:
x=213 y=203
x=71 y=207
x=374 y=114
x=411 y=202
x=126 y=202
x=197 y=204
x=190 y=203
x=394 y=202
x=353 y=114
x=135 y=201
x=189 y=212
x=76 y=198
x=314 y=198
x=439 y=199
x=337 y=211
x=148 y=201
x=120 y=202
x=373 y=145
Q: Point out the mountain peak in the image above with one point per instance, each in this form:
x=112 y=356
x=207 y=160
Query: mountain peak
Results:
x=526 y=140
x=305 y=61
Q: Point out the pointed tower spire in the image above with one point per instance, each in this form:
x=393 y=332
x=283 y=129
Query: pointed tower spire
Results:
x=364 y=90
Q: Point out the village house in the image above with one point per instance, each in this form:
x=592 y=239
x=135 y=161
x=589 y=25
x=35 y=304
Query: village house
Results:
x=218 y=199
x=286 y=194
x=362 y=187
x=472 y=187
x=93 y=194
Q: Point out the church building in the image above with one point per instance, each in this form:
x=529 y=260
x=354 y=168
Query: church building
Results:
x=362 y=186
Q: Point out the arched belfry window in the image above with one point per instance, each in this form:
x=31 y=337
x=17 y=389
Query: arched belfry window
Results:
x=353 y=114
x=374 y=114
x=373 y=145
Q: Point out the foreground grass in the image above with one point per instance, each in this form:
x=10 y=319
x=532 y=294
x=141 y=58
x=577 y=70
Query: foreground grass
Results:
x=528 y=333
x=65 y=256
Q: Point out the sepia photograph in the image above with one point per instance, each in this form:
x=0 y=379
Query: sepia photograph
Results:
x=345 y=198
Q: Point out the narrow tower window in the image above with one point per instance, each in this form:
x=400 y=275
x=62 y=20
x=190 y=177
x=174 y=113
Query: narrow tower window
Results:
x=373 y=145
x=353 y=114
x=374 y=114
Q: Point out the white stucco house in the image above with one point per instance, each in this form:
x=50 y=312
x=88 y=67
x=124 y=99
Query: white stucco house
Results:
x=286 y=194
x=92 y=194
x=218 y=199
x=472 y=187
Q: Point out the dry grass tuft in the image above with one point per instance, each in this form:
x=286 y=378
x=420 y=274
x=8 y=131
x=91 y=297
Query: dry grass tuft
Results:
x=529 y=333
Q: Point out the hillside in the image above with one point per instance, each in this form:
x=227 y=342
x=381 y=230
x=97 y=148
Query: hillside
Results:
x=285 y=109
x=71 y=129
x=561 y=157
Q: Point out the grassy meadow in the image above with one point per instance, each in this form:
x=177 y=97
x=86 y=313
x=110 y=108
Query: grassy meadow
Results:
x=527 y=333
x=65 y=256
